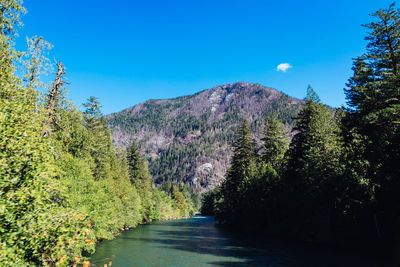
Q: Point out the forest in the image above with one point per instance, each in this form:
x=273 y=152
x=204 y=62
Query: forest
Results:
x=178 y=135
x=337 y=180
x=63 y=185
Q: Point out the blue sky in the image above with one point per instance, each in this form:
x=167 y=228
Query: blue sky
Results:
x=126 y=52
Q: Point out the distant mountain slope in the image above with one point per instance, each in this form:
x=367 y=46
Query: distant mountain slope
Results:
x=189 y=138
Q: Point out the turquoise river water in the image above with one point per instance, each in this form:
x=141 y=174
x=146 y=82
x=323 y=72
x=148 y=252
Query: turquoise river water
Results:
x=199 y=242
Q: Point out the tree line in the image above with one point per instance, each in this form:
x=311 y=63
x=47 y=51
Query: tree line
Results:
x=63 y=185
x=338 y=179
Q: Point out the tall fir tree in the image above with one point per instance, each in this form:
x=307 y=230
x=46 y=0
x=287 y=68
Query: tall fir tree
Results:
x=135 y=162
x=313 y=165
x=92 y=113
x=274 y=144
x=140 y=178
x=315 y=149
x=244 y=149
x=374 y=113
x=239 y=173
x=100 y=146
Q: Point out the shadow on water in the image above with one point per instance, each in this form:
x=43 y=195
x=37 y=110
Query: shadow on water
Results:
x=198 y=242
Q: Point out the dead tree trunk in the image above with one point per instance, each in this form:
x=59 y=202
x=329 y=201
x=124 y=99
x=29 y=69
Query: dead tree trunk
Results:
x=53 y=96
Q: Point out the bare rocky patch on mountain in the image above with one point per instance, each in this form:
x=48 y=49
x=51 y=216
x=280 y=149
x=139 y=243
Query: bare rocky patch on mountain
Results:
x=189 y=138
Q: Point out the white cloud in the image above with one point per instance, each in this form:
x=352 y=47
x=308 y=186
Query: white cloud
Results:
x=283 y=67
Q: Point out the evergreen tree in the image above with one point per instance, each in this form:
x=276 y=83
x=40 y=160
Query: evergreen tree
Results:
x=92 y=113
x=135 y=162
x=244 y=149
x=315 y=149
x=311 y=95
x=274 y=144
x=341 y=176
x=374 y=113
x=209 y=200
x=140 y=178
x=313 y=165
x=239 y=174
x=100 y=142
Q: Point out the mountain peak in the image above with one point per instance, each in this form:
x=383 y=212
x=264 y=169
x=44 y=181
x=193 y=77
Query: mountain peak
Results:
x=189 y=138
x=242 y=85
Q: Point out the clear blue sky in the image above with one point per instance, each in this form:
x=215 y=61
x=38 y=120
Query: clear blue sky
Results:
x=126 y=52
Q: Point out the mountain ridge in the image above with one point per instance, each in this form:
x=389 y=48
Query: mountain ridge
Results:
x=188 y=138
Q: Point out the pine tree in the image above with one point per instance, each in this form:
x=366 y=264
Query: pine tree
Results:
x=275 y=144
x=140 y=178
x=374 y=112
x=100 y=144
x=239 y=174
x=373 y=92
x=137 y=166
x=135 y=162
x=244 y=149
x=313 y=166
x=92 y=113
x=315 y=149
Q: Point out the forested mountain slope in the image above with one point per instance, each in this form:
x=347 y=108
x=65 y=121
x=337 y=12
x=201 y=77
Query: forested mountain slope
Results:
x=188 y=138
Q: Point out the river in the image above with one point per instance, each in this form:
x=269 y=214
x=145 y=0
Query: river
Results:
x=199 y=242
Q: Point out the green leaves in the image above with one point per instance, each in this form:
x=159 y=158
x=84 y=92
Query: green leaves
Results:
x=10 y=17
x=62 y=193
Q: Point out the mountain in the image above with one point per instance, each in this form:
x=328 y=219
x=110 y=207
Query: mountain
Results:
x=189 y=138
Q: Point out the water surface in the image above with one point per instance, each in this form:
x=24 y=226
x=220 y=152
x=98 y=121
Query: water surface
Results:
x=199 y=242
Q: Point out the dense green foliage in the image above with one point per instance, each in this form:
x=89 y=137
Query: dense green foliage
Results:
x=274 y=145
x=63 y=186
x=338 y=181
x=373 y=117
